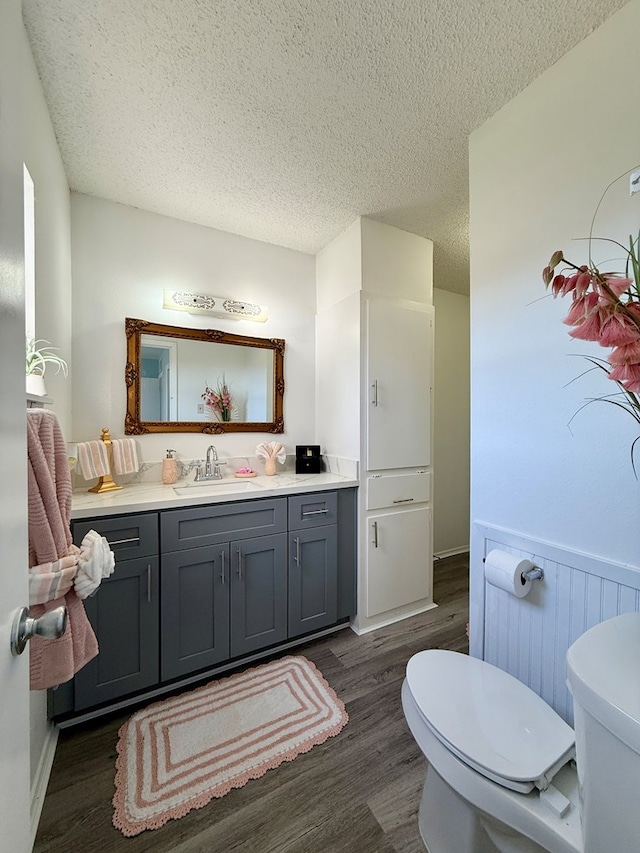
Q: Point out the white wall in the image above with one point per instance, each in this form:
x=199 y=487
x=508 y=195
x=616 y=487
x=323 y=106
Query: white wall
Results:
x=538 y=168
x=451 y=423
x=123 y=258
x=30 y=133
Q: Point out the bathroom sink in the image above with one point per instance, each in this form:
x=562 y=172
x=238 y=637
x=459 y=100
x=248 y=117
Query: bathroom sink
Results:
x=215 y=487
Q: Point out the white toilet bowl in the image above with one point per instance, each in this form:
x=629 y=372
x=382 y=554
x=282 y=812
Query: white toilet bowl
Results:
x=501 y=775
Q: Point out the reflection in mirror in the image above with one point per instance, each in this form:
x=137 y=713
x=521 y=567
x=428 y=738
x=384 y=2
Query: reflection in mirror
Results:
x=202 y=380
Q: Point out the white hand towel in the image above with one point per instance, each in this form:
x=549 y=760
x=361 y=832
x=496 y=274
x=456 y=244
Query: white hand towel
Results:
x=125 y=456
x=93 y=459
x=95 y=562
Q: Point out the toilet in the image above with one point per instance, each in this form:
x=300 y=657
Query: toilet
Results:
x=505 y=773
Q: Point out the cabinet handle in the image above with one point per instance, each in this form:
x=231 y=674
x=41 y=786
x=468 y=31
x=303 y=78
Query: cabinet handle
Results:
x=375 y=534
x=316 y=512
x=124 y=541
x=239 y=564
x=297 y=554
x=374 y=400
x=222 y=558
x=402 y=501
x=149 y=583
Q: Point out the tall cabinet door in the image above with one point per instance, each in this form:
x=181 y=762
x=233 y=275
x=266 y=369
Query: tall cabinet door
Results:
x=195 y=610
x=399 y=559
x=258 y=593
x=124 y=616
x=398 y=375
x=313 y=579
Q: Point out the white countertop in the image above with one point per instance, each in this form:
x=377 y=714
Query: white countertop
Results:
x=141 y=497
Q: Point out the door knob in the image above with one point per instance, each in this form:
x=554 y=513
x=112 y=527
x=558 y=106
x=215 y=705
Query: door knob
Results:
x=51 y=625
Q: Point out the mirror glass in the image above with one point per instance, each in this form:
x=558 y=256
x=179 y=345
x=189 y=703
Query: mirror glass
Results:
x=202 y=380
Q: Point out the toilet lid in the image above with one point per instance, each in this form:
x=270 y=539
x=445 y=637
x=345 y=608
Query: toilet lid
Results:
x=489 y=719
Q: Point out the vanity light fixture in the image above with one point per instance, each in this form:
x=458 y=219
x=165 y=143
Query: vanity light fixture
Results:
x=216 y=306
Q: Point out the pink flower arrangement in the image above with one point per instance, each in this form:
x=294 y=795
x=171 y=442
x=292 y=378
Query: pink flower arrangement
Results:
x=605 y=308
x=219 y=400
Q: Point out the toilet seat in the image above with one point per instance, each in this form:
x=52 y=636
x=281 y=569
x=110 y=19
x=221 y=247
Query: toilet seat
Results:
x=490 y=720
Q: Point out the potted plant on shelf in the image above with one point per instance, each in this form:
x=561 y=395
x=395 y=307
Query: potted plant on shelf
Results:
x=39 y=354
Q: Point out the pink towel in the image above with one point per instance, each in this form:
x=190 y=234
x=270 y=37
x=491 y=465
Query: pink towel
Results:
x=125 y=456
x=52 y=580
x=49 y=488
x=93 y=459
x=49 y=492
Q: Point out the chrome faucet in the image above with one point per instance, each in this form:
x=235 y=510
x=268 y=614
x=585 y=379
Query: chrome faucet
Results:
x=211 y=466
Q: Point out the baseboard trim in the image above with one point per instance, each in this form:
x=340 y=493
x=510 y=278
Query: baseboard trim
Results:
x=41 y=780
x=373 y=623
x=451 y=552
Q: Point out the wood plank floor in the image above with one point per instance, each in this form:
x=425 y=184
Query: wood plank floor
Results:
x=356 y=793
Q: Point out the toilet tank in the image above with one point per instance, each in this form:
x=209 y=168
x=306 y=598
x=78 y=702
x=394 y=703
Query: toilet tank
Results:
x=603 y=674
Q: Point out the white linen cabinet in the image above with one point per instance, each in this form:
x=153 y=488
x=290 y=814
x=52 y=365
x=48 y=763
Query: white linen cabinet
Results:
x=374 y=338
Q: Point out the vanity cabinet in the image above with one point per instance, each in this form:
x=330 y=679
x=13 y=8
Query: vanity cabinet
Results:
x=196 y=591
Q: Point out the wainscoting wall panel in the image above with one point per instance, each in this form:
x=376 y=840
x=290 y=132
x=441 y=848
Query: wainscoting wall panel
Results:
x=529 y=637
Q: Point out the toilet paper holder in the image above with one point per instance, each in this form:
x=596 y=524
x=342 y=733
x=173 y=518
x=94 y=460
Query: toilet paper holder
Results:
x=535 y=573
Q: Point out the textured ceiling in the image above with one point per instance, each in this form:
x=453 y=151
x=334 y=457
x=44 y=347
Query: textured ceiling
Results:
x=283 y=120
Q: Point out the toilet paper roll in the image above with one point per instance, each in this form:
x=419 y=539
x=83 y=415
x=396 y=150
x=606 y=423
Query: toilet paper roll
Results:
x=505 y=571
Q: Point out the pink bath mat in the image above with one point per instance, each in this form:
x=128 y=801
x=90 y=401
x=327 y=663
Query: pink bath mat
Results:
x=177 y=755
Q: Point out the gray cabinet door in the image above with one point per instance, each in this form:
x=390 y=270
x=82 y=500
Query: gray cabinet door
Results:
x=258 y=593
x=194 y=610
x=313 y=579
x=124 y=616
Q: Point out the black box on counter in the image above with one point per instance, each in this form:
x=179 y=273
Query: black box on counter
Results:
x=308 y=459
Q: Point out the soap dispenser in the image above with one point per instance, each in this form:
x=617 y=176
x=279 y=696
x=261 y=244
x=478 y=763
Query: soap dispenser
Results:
x=170 y=468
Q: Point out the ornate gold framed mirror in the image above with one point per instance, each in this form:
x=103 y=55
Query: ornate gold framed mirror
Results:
x=202 y=380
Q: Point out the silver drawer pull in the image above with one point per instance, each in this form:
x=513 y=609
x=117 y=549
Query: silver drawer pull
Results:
x=297 y=554
x=149 y=583
x=222 y=558
x=375 y=534
x=315 y=512
x=402 y=501
x=239 y=564
x=124 y=541
x=374 y=387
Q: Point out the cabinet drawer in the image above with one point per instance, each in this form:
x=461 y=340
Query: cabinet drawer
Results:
x=313 y=510
x=129 y=536
x=398 y=489
x=212 y=525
